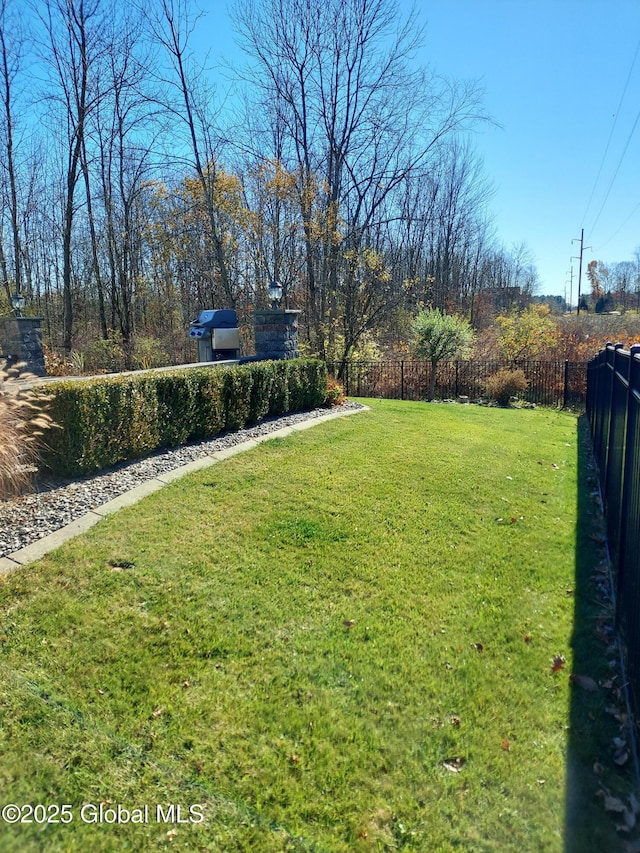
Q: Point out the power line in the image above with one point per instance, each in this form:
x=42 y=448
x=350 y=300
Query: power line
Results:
x=613 y=127
x=618 y=230
x=615 y=174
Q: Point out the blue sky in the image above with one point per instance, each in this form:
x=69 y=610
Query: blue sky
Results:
x=553 y=73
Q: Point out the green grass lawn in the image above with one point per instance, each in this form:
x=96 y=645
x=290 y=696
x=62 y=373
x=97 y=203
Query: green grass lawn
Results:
x=339 y=641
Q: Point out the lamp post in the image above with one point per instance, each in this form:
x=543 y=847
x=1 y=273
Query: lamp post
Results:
x=275 y=294
x=18 y=301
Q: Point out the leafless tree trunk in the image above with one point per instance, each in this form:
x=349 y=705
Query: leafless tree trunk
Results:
x=361 y=123
x=11 y=42
x=74 y=53
x=171 y=25
x=94 y=243
x=124 y=155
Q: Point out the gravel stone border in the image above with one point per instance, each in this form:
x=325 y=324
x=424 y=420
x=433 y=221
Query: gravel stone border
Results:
x=54 y=504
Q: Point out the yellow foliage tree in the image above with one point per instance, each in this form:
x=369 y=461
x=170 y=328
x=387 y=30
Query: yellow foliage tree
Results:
x=527 y=334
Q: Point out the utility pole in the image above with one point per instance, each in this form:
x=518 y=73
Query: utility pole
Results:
x=570 y=288
x=579 y=257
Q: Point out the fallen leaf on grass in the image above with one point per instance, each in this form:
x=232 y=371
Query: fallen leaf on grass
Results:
x=617 y=806
x=621 y=757
x=553 y=465
x=611 y=804
x=506 y=745
x=455 y=765
x=527 y=638
x=585 y=682
x=158 y=712
x=617 y=713
x=558 y=663
x=349 y=623
x=629 y=821
x=478 y=647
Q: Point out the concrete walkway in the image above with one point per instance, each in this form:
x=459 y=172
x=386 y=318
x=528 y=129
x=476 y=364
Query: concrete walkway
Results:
x=54 y=540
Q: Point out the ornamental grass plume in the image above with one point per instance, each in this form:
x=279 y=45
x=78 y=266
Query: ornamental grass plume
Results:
x=22 y=424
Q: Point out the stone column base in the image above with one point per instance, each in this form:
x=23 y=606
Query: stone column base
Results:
x=21 y=341
x=276 y=333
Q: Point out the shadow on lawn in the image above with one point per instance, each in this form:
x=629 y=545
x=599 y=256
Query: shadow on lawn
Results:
x=588 y=827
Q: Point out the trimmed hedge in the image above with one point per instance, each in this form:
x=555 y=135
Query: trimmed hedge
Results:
x=101 y=422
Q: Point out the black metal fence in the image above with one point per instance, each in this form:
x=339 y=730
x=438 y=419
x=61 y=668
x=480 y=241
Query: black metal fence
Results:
x=551 y=383
x=613 y=409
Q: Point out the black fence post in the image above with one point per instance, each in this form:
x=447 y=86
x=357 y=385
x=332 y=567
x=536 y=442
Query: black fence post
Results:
x=565 y=394
x=629 y=481
x=613 y=408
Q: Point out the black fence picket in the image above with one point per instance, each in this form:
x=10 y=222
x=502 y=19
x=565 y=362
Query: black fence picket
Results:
x=613 y=409
x=551 y=383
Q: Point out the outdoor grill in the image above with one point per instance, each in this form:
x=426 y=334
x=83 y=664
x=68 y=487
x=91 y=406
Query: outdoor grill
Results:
x=217 y=333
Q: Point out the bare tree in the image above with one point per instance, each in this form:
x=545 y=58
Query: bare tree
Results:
x=171 y=23
x=123 y=131
x=74 y=52
x=11 y=48
x=361 y=122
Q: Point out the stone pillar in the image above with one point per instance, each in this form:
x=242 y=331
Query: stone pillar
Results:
x=21 y=341
x=276 y=333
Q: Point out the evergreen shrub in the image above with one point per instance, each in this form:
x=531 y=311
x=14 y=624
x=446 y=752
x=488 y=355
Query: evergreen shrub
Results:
x=108 y=420
x=279 y=400
x=209 y=416
x=236 y=396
